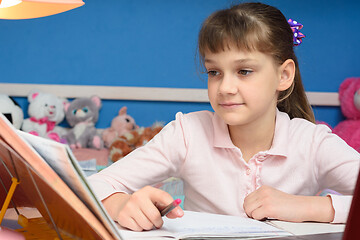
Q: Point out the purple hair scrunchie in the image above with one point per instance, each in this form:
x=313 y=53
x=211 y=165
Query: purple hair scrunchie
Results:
x=297 y=35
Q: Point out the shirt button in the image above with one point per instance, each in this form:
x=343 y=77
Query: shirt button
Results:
x=248 y=171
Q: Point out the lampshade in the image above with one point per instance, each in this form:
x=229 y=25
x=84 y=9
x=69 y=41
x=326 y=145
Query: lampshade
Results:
x=25 y=9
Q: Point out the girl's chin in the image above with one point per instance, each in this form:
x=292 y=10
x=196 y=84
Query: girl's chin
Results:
x=232 y=120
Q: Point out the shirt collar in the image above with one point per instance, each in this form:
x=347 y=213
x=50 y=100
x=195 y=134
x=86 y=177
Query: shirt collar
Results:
x=281 y=136
x=221 y=133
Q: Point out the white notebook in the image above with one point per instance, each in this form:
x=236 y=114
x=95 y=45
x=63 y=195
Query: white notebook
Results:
x=195 y=225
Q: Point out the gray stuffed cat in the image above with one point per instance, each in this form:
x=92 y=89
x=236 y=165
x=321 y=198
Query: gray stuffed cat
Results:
x=82 y=114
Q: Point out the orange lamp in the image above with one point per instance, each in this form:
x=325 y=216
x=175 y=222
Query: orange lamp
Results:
x=25 y=9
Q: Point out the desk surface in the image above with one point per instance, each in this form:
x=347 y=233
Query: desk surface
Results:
x=11 y=217
x=26 y=211
x=306 y=228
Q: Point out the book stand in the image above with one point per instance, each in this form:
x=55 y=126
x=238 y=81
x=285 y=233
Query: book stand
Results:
x=47 y=177
x=14 y=183
x=34 y=228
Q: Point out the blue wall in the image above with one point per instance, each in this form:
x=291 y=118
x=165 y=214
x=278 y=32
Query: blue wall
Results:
x=153 y=44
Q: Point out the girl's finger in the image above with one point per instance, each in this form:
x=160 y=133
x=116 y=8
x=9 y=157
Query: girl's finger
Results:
x=163 y=199
x=132 y=215
x=250 y=204
x=258 y=214
x=175 y=213
x=152 y=213
x=130 y=223
x=143 y=221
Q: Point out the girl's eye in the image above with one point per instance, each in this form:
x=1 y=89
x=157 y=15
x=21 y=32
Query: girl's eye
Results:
x=213 y=73
x=245 y=72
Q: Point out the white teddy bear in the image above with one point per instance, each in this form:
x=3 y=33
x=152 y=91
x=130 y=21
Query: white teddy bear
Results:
x=46 y=111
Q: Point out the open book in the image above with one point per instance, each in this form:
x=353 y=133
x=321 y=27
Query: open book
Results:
x=53 y=182
x=196 y=225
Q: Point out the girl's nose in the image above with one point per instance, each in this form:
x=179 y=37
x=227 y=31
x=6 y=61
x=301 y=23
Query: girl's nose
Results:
x=228 y=85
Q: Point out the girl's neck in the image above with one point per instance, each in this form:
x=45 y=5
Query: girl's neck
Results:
x=253 y=137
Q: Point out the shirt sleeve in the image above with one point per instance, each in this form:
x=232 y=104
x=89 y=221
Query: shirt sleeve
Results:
x=158 y=160
x=337 y=169
x=341 y=205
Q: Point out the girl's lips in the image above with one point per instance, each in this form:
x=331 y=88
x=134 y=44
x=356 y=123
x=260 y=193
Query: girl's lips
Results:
x=230 y=105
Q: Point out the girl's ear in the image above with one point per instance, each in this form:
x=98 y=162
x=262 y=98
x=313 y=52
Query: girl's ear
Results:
x=287 y=75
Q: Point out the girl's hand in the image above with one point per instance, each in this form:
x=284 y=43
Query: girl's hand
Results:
x=140 y=210
x=268 y=202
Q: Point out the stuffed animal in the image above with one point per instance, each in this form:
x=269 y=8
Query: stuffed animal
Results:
x=11 y=110
x=82 y=114
x=46 y=111
x=349 y=96
x=120 y=125
x=126 y=143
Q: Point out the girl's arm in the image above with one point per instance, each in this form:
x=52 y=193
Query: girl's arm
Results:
x=337 y=167
x=140 y=210
x=147 y=165
x=162 y=157
x=268 y=202
x=334 y=165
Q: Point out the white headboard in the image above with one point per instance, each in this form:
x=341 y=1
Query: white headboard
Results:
x=140 y=93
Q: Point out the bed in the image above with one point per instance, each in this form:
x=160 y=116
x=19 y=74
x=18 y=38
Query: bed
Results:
x=140 y=93
x=134 y=94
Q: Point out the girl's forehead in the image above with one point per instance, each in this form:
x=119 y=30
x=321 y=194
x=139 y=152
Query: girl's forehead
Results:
x=232 y=57
x=234 y=52
x=230 y=46
x=223 y=43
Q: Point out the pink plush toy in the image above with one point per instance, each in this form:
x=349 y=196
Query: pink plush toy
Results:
x=349 y=96
x=120 y=125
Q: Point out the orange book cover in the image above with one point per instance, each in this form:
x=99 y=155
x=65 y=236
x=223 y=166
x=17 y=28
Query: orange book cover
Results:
x=42 y=187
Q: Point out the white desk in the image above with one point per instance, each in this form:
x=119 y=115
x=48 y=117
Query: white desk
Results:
x=308 y=227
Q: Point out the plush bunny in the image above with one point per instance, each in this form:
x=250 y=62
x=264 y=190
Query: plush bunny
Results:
x=120 y=125
x=349 y=96
x=82 y=114
x=11 y=110
x=46 y=111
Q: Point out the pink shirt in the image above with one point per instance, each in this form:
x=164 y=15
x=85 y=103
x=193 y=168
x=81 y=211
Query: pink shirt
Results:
x=196 y=147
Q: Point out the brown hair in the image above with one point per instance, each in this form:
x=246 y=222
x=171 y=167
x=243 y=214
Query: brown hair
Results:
x=260 y=27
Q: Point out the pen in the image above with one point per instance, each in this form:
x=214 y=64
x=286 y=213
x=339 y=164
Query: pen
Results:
x=170 y=207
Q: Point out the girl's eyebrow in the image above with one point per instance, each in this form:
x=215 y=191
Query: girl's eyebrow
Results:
x=246 y=60
x=243 y=60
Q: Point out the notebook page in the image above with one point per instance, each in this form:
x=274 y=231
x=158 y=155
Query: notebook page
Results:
x=195 y=224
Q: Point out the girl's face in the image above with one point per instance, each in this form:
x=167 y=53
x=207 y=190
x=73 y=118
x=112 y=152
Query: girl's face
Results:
x=242 y=86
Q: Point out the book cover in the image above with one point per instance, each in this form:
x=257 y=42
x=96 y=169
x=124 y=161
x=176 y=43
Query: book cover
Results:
x=59 y=191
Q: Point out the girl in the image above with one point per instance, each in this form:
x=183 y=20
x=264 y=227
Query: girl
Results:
x=258 y=155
